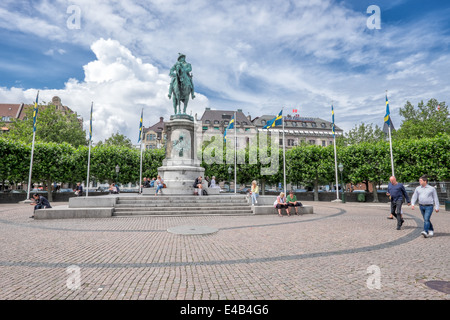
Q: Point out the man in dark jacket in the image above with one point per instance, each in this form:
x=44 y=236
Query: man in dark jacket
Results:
x=40 y=202
x=397 y=193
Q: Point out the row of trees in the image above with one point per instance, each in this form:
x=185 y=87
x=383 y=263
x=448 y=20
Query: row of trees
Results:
x=61 y=162
x=420 y=146
x=305 y=164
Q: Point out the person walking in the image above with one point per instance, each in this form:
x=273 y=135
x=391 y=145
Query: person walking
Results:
x=254 y=192
x=427 y=197
x=397 y=193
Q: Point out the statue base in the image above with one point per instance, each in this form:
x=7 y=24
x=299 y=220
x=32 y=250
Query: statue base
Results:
x=180 y=167
x=181 y=116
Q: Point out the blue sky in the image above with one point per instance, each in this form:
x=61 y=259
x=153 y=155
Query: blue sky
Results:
x=256 y=55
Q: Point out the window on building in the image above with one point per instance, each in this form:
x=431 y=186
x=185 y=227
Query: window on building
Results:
x=312 y=141
x=216 y=122
x=263 y=122
x=313 y=124
x=304 y=124
x=324 y=143
x=207 y=122
x=323 y=125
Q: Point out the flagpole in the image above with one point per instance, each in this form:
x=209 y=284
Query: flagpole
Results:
x=89 y=165
x=335 y=158
x=140 y=146
x=284 y=152
x=390 y=142
x=31 y=166
x=235 y=147
x=390 y=146
x=89 y=154
x=32 y=147
x=140 y=172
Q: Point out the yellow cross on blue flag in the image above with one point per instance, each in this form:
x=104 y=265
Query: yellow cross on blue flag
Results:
x=230 y=126
x=277 y=121
x=387 y=118
x=140 y=126
x=35 y=112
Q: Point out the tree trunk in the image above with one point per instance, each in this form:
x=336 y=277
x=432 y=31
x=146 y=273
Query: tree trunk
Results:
x=316 y=189
x=374 y=191
x=49 y=190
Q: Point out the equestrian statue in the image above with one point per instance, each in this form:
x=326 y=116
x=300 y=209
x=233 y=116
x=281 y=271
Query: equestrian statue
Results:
x=181 y=85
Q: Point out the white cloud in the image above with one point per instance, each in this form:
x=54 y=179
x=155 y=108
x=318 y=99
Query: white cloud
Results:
x=120 y=85
x=255 y=55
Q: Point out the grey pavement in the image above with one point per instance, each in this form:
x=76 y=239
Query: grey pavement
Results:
x=342 y=251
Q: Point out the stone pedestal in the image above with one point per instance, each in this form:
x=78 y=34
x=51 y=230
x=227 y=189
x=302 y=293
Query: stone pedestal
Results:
x=180 y=167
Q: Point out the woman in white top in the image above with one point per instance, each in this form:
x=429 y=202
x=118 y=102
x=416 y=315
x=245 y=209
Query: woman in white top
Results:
x=281 y=203
x=254 y=192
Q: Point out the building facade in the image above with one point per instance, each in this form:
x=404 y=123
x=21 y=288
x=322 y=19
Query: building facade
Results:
x=297 y=130
x=155 y=136
x=11 y=111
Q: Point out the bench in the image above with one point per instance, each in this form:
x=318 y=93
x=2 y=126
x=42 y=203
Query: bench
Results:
x=265 y=206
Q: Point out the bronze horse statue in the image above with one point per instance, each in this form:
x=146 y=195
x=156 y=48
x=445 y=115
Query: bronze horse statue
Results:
x=181 y=85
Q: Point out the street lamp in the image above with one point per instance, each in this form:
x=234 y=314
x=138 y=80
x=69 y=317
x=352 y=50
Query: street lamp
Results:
x=117 y=173
x=341 y=168
x=229 y=178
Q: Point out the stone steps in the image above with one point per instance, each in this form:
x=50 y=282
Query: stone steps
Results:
x=182 y=205
x=178 y=204
x=183 y=213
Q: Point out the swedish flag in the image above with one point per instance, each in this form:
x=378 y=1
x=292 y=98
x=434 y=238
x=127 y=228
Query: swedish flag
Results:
x=387 y=118
x=333 y=129
x=140 y=126
x=35 y=112
x=230 y=126
x=277 y=121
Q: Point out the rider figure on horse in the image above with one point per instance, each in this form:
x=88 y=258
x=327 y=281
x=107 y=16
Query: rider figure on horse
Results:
x=181 y=67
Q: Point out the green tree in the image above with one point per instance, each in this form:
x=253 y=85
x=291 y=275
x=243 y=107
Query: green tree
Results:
x=310 y=164
x=14 y=161
x=425 y=121
x=53 y=162
x=362 y=133
x=52 y=125
x=117 y=139
x=367 y=163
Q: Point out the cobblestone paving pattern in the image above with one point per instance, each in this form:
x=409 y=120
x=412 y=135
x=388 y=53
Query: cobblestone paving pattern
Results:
x=326 y=255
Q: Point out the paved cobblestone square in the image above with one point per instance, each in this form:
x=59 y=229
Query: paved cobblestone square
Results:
x=339 y=252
